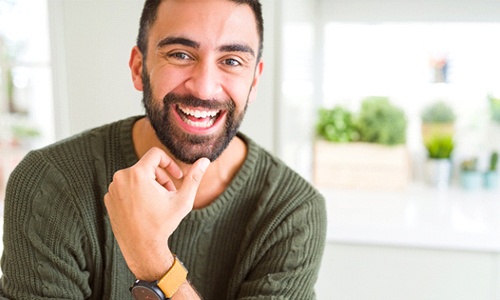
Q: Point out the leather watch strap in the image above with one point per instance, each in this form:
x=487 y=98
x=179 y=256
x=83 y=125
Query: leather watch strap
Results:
x=173 y=279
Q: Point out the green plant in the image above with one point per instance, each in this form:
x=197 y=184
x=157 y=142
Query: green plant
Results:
x=438 y=112
x=440 y=147
x=336 y=125
x=25 y=131
x=381 y=122
x=469 y=165
x=493 y=161
x=495 y=108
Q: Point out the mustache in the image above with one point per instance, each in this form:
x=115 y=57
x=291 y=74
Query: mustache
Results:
x=190 y=100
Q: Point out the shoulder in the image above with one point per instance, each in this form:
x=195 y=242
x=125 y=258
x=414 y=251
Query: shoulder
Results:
x=77 y=153
x=73 y=166
x=279 y=187
x=275 y=171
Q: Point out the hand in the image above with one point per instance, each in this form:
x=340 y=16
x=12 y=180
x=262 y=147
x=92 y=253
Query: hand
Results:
x=145 y=207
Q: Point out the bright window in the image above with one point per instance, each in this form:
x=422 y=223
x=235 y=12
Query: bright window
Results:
x=26 y=104
x=415 y=64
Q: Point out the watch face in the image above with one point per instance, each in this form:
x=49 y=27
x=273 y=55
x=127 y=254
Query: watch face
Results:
x=144 y=293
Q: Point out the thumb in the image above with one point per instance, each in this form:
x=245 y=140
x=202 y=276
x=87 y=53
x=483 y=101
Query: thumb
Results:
x=193 y=178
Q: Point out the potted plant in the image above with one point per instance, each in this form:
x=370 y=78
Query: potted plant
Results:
x=438 y=165
x=494 y=124
x=437 y=118
x=470 y=176
x=491 y=177
x=381 y=122
x=365 y=150
x=494 y=108
x=336 y=125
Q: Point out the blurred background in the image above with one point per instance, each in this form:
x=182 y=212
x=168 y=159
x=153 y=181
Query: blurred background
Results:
x=367 y=99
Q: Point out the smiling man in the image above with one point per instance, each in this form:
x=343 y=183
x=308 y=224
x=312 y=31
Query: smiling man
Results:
x=176 y=204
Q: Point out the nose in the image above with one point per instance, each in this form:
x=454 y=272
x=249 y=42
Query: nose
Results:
x=204 y=81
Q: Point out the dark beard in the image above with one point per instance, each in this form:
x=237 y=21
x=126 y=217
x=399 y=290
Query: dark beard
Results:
x=188 y=147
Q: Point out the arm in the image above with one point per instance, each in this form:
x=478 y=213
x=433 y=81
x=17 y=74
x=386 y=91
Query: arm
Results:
x=42 y=235
x=145 y=208
x=285 y=260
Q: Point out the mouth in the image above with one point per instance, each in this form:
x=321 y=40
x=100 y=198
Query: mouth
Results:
x=197 y=117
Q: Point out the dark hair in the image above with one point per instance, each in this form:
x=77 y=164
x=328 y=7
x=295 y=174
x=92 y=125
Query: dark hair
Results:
x=149 y=14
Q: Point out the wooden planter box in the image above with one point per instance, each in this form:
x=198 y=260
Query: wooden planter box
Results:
x=361 y=166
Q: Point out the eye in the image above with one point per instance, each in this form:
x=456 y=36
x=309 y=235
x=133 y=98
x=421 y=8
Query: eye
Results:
x=231 y=62
x=179 y=56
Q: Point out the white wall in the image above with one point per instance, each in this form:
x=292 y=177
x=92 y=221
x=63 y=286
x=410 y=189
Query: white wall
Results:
x=91 y=42
x=411 y=10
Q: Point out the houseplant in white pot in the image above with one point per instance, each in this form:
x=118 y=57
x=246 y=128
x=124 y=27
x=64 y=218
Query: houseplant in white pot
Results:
x=470 y=176
x=494 y=124
x=491 y=177
x=438 y=165
x=437 y=118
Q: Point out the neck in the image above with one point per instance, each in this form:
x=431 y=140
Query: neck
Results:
x=218 y=175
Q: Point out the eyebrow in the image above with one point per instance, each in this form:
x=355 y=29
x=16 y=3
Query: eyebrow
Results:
x=237 y=48
x=178 y=41
x=174 y=40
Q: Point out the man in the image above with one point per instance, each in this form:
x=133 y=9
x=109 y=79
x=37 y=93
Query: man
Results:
x=125 y=203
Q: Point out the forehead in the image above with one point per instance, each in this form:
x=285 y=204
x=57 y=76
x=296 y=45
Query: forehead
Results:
x=209 y=22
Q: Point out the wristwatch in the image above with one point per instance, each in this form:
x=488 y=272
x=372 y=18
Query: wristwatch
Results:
x=164 y=288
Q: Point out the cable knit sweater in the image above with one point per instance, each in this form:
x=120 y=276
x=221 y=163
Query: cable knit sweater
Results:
x=262 y=238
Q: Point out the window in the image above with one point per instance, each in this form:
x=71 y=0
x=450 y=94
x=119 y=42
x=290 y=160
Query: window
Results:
x=26 y=105
x=415 y=64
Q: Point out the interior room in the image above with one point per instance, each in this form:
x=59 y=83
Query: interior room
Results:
x=397 y=228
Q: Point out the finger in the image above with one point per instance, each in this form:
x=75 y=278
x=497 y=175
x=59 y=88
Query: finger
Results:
x=193 y=178
x=156 y=157
x=163 y=179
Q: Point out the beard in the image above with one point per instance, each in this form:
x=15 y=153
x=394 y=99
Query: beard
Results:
x=184 y=146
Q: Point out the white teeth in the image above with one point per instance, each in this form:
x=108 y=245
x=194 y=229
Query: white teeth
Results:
x=206 y=118
x=199 y=113
x=206 y=124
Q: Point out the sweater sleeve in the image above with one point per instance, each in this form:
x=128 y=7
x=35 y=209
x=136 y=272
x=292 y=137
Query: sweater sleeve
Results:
x=43 y=234
x=286 y=260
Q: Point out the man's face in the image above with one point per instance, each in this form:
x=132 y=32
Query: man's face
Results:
x=200 y=73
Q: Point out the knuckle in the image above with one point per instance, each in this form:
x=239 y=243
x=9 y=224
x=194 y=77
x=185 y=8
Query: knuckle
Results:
x=196 y=177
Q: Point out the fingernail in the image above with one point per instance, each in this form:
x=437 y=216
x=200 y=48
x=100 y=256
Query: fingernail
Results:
x=204 y=164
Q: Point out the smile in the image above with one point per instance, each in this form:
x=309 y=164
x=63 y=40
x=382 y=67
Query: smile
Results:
x=196 y=117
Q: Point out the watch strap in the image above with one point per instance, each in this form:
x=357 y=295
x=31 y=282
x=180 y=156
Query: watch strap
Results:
x=173 y=279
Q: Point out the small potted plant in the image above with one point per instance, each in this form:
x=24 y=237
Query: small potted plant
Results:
x=494 y=108
x=437 y=119
x=438 y=165
x=493 y=129
x=381 y=122
x=336 y=125
x=470 y=176
x=365 y=150
x=491 y=177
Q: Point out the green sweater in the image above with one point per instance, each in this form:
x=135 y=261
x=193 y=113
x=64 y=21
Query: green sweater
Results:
x=262 y=238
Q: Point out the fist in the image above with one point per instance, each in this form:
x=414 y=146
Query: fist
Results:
x=145 y=207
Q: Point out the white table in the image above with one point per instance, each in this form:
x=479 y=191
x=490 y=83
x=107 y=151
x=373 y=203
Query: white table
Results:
x=420 y=243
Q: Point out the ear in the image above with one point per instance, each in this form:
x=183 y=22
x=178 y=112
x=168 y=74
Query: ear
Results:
x=135 y=64
x=258 y=72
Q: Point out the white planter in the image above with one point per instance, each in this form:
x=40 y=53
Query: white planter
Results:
x=438 y=172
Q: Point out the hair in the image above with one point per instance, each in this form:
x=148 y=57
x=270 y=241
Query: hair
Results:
x=150 y=13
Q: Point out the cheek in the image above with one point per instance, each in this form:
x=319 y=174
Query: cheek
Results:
x=164 y=81
x=238 y=90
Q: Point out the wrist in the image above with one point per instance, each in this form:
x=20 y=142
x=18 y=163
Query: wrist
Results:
x=154 y=268
x=165 y=287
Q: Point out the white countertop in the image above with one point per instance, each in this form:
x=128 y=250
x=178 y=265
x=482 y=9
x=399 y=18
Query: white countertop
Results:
x=419 y=216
